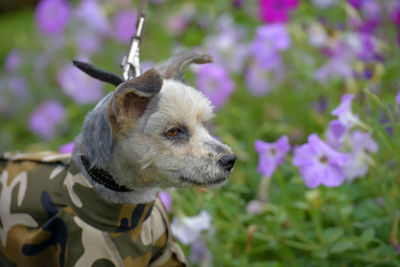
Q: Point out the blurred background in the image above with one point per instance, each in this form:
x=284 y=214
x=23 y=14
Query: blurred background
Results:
x=306 y=93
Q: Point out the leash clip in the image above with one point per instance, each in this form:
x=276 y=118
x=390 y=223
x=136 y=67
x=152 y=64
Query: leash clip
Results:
x=131 y=63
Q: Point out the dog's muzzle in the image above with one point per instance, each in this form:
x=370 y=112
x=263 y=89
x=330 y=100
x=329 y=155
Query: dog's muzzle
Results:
x=227 y=161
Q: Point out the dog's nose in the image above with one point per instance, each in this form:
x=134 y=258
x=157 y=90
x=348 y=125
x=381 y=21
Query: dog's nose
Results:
x=228 y=161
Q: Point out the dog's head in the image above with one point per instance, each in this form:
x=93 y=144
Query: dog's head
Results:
x=157 y=130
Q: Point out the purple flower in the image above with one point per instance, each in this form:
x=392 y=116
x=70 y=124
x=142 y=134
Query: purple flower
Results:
x=357 y=4
x=46 y=117
x=238 y=3
x=42 y=60
x=52 y=16
x=166 y=199
x=125 y=25
x=66 y=148
x=360 y=159
x=372 y=10
x=321 y=105
x=257 y=80
x=269 y=40
x=255 y=207
x=215 y=83
x=18 y=87
x=13 y=61
x=339 y=65
x=276 y=10
x=226 y=46
x=271 y=155
x=260 y=81
x=363 y=141
x=88 y=43
x=199 y=253
x=344 y=112
x=146 y=65
x=12 y=89
x=272 y=37
x=335 y=133
x=229 y=52
x=178 y=22
x=188 y=229
x=319 y=163
x=368 y=47
x=398 y=98
x=395 y=15
x=334 y=68
x=317 y=35
x=372 y=14
x=79 y=86
x=93 y=16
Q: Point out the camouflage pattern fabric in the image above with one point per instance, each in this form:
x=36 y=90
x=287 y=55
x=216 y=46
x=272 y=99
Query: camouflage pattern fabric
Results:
x=50 y=215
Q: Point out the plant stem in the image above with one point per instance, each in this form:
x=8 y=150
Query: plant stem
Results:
x=263 y=189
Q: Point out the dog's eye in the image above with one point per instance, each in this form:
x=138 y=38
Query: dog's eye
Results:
x=173 y=132
x=177 y=134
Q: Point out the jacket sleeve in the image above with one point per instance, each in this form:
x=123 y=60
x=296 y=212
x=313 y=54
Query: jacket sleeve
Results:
x=172 y=254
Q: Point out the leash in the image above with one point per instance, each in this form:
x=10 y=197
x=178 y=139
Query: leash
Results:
x=131 y=69
x=131 y=63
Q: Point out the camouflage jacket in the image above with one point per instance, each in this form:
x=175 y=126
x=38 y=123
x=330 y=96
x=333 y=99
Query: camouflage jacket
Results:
x=50 y=215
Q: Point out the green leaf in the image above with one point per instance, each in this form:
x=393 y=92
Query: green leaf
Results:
x=330 y=235
x=367 y=236
x=343 y=245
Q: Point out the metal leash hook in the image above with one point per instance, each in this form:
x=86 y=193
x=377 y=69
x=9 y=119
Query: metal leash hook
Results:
x=131 y=63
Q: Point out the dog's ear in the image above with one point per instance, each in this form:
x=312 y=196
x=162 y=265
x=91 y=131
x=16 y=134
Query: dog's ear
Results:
x=97 y=73
x=130 y=100
x=176 y=66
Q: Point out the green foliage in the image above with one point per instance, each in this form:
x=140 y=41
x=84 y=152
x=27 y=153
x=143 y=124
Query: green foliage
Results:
x=355 y=224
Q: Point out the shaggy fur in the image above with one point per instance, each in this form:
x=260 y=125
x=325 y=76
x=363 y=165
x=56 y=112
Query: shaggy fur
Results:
x=127 y=135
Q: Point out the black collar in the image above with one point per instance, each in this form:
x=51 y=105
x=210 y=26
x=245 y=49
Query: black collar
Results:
x=103 y=177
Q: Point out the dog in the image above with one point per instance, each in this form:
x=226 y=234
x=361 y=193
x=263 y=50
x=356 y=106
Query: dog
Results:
x=100 y=206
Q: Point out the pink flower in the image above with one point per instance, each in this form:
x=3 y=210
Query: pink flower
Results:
x=271 y=155
x=276 y=10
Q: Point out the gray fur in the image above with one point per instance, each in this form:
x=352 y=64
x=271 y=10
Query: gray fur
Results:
x=142 y=157
x=96 y=139
x=176 y=66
